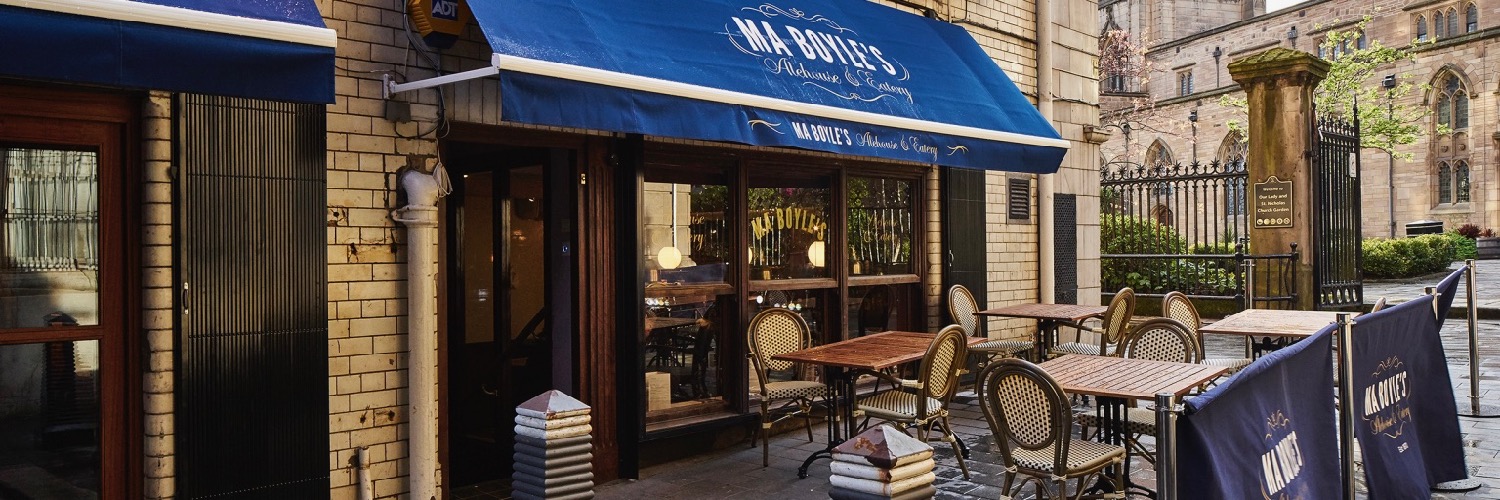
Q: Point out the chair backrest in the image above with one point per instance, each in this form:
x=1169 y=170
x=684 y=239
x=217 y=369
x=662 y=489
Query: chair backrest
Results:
x=1176 y=305
x=1162 y=339
x=1117 y=315
x=775 y=331
x=875 y=309
x=940 y=366
x=961 y=306
x=1025 y=408
x=1379 y=304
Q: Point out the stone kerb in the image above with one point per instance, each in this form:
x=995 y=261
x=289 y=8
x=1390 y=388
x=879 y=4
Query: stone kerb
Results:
x=882 y=463
x=554 y=449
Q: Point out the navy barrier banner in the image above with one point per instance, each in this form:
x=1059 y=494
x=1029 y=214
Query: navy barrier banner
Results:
x=1268 y=432
x=1447 y=291
x=1404 y=414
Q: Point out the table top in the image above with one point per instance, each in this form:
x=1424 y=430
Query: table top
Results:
x=870 y=352
x=1059 y=312
x=1127 y=378
x=653 y=323
x=1273 y=323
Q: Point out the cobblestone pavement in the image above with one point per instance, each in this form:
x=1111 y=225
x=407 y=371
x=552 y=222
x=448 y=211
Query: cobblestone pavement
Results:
x=1486 y=278
x=736 y=472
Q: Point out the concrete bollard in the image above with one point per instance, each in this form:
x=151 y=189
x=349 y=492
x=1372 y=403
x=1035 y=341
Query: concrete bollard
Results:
x=554 y=449
x=882 y=463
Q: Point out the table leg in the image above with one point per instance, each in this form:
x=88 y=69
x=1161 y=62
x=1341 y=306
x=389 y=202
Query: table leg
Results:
x=842 y=389
x=1047 y=330
x=1113 y=430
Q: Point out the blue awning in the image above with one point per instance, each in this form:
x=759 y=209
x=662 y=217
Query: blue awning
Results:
x=843 y=76
x=267 y=49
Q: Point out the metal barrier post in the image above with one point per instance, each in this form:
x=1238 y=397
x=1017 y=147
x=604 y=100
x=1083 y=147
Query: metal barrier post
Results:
x=1249 y=297
x=1346 y=403
x=1166 y=446
x=1475 y=408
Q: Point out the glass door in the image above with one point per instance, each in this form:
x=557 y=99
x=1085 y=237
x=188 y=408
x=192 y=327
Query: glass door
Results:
x=500 y=343
x=61 y=323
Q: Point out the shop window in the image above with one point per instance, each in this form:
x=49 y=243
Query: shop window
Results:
x=788 y=228
x=49 y=233
x=687 y=242
x=880 y=226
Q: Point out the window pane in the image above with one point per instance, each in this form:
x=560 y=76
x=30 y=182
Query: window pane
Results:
x=1461 y=181
x=1443 y=114
x=879 y=308
x=1421 y=28
x=1438 y=26
x=686 y=239
x=684 y=335
x=880 y=226
x=1472 y=19
x=1460 y=110
x=49 y=242
x=788 y=231
x=1445 y=186
x=1452 y=22
x=49 y=419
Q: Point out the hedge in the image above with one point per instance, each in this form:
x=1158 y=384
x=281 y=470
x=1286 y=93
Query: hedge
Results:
x=1408 y=257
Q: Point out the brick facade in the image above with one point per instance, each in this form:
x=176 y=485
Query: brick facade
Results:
x=1415 y=180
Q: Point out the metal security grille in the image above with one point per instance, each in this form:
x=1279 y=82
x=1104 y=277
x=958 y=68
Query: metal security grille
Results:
x=1337 y=279
x=1065 y=241
x=252 y=363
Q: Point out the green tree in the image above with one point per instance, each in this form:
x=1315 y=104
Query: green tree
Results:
x=1384 y=122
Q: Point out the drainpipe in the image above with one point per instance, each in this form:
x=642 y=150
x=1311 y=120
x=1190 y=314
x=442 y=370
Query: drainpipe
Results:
x=1045 y=244
x=420 y=216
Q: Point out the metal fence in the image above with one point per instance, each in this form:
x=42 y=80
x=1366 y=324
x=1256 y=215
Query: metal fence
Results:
x=1182 y=227
x=1337 y=279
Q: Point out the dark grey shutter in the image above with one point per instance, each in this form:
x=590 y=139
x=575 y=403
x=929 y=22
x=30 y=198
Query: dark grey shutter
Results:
x=252 y=358
x=964 y=261
x=1065 y=243
x=1018 y=199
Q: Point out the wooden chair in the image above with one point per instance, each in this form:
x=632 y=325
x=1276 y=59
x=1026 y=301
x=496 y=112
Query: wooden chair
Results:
x=1031 y=419
x=1157 y=339
x=962 y=306
x=779 y=331
x=1177 y=306
x=1379 y=304
x=1111 y=331
x=923 y=403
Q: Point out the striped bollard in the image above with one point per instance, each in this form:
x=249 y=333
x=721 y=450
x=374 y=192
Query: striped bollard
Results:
x=882 y=463
x=554 y=454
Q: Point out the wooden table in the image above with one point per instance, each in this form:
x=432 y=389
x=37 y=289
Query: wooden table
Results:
x=1117 y=380
x=1049 y=317
x=1276 y=326
x=871 y=352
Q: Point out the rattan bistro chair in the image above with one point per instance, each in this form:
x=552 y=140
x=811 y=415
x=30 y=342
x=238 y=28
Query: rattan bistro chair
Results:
x=962 y=306
x=1157 y=339
x=1379 y=304
x=1111 y=332
x=1031 y=420
x=1177 y=306
x=779 y=331
x=923 y=403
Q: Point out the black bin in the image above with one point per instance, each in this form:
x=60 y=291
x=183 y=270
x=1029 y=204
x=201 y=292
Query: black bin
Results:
x=1424 y=227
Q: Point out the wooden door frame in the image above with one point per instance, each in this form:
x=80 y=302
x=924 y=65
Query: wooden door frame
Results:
x=110 y=120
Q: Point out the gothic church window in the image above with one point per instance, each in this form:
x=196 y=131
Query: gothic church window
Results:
x=1452 y=22
x=1439 y=28
x=1450 y=152
x=1185 y=83
x=1471 y=19
x=1232 y=157
x=1421 y=28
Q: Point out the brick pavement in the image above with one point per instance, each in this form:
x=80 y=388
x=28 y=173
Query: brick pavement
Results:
x=736 y=472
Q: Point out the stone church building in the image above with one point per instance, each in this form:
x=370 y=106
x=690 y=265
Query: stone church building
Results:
x=1165 y=103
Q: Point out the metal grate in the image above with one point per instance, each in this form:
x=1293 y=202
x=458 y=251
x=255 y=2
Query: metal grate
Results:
x=1065 y=243
x=252 y=367
x=1018 y=199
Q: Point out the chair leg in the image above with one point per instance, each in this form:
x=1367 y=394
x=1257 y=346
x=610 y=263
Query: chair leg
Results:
x=960 y=450
x=765 y=444
x=806 y=409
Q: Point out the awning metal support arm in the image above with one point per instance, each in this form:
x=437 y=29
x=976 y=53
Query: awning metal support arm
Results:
x=391 y=87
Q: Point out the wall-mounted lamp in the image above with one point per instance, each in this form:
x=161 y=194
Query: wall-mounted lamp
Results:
x=1218 y=52
x=1193 y=116
x=1291 y=34
x=1389 y=82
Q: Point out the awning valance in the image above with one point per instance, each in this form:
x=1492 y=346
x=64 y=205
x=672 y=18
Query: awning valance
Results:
x=267 y=49
x=843 y=76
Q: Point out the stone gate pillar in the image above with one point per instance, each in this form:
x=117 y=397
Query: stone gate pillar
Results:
x=1278 y=86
